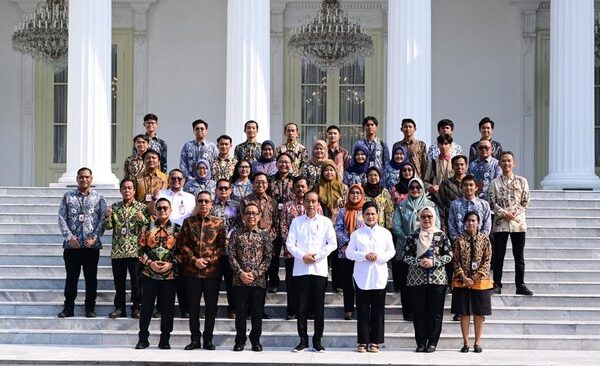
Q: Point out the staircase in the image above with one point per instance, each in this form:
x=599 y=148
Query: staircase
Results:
x=562 y=268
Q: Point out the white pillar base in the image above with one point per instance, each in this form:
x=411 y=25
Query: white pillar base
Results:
x=571 y=181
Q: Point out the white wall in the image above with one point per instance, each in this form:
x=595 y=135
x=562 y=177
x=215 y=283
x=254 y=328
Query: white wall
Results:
x=476 y=68
x=186 y=69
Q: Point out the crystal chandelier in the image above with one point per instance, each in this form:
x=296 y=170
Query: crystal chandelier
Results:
x=330 y=39
x=43 y=35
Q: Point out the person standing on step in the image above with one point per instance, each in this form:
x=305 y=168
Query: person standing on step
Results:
x=250 y=149
x=199 y=148
x=378 y=154
x=310 y=240
x=81 y=223
x=126 y=219
x=509 y=198
x=250 y=251
x=154 y=142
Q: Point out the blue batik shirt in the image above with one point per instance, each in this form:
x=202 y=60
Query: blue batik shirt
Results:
x=82 y=216
x=192 y=151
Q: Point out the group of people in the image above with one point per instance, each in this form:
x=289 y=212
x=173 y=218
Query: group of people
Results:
x=432 y=214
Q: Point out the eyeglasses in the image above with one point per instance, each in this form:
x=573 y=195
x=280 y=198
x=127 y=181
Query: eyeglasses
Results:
x=426 y=217
x=203 y=202
x=264 y=182
x=202 y=167
x=251 y=214
x=415 y=188
x=244 y=166
x=355 y=193
x=177 y=178
x=162 y=208
x=222 y=188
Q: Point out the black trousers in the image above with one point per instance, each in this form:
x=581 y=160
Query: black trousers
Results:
x=333 y=261
x=75 y=259
x=120 y=267
x=518 y=247
x=292 y=297
x=399 y=273
x=370 y=306
x=273 y=271
x=196 y=287
x=253 y=298
x=228 y=278
x=428 y=313
x=315 y=286
x=162 y=291
x=346 y=268
x=182 y=299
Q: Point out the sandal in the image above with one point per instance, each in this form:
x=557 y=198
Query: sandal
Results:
x=362 y=348
x=374 y=348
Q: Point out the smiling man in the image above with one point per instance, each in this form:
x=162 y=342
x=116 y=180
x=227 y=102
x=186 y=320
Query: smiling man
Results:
x=199 y=148
x=486 y=129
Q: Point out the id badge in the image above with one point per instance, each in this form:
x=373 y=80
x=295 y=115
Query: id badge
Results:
x=123 y=231
x=148 y=197
x=474 y=266
x=280 y=206
x=81 y=217
x=181 y=209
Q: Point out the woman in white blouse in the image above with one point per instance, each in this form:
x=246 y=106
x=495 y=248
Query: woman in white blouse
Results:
x=370 y=247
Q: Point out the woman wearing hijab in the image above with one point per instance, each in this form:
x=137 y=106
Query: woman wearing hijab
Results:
x=375 y=192
x=471 y=283
x=356 y=172
x=266 y=163
x=399 y=191
x=312 y=169
x=347 y=221
x=427 y=251
x=405 y=222
x=202 y=180
x=391 y=174
x=331 y=190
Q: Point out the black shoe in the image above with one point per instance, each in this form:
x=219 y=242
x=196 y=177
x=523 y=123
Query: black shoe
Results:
x=266 y=316
x=456 y=318
x=477 y=349
x=193 y=345
x=208 y=345
x=430 y=349
x=135 y=314
x=310 y=316
x=157 y=314
x=231 y=314
x=90 y=314
x=238 y=347
x=497 y=289
x=300 y=347
x=523 y=290
x=185 y=315
x=290 y=317
x=66 y=313
x=142 y=345
x=348 y=316
x=318 y=347
x=164 y=346
x=117 y=313
x=272 y=290
x=257 y=347
x=420 y=349
x=464 y=349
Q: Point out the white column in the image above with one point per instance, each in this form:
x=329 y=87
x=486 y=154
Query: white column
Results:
x=409 y=68
x=571 y=158
x=140 y=60
x=88 y=98
x=248 y=67
x=277 y=68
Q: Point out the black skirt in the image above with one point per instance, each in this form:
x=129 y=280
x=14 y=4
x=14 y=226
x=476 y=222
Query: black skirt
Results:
x=471 y=302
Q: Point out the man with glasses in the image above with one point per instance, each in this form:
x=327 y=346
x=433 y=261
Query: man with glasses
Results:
x=201 y=245
x=486 y=129
x=154 y=142
x=485 y=168
x=249 y=256
x=226 y=209
x=199 y=148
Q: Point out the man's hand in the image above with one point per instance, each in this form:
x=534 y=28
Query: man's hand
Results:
x=73 y=242
x=509 y=216
x=309 y=258
x=371 y=257
x=468 y=282
x=247 y=277
x=89 y=242
x=140 y=216
x=201 y=263
x=108 y=212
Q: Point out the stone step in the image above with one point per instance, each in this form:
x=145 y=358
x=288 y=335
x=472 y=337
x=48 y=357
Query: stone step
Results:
x=565 y=203
x=560 y=194
x=560 y=242
x=50 y=191
x=27 y=218
x=563 y=231
x=572 y=222
x=562 y=212
x=45 y=199
x=20 y=208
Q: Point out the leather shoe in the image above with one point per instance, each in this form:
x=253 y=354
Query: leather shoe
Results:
x=497 y=289
x=464 y=349
x=430 y=349
x=66 y=313
x=142 y=345
x=117 y=313
x=420 y=349
x=209 y=346
x=135 y=314
x=523 y=290
x=257 y=347
x=157 y=314
x=456 y=318
x=193 y=345
x=164 y=346
x=477 y=349
x=90 y=314
x=290 y=317
x=238 y=347
x=185 y=315
x=272 y=290
x=231 y=314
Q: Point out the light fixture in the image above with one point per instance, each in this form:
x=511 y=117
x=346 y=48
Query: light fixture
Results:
x=330 y=39
x=43 y=35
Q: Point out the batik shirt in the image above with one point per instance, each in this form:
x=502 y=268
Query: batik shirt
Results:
x=248 y=151
x=390 y=177
x=385 y=207
x=194 y=187
x=434 y=151
x=509 y=194
x=340 y=157
x=126 y=227
x=458 y=210
x=312 y=173
x=269 y=168
x=297 y=151
x=379 y=154
x=149 y=184
x=82 y=217
x=192 y=151
x=160 y=146
x=158 y=243
x=282 y=189
x=226 y=211
x=133 y=166
x=341 y=232
x=240 y=190
x=269 y=214
x=351 y=178
x=485 y=171
x=202 y=237
x=250 y=251
x=417 y=151
x=496 y=150
x=441 y=253
x=222 y=168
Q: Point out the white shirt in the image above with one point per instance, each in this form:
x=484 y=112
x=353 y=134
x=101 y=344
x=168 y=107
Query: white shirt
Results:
x=371 y=275
x=308 y=235
x=182 y=204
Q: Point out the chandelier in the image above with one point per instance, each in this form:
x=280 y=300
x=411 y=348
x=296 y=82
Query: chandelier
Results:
x=43 y=35
x=330 y=39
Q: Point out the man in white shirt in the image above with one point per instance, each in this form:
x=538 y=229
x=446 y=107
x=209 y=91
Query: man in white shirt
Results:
x=310 y=240
x=182 y=205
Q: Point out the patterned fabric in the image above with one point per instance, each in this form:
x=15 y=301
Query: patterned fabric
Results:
x=417 y=153
x=434 y=151
x=509 y=194
x=404 y=222
x=133 y=166
x=281 y=188
x=390 y=177
x=437 y=170
x=269 y=213
x=312 y=172
x=458 y=210
x=297 y=151
x=290 y=211
x=385 y=206
x=240 y=190
x=227 y=211
x=149 y=183
x=159 y=243
x=250 y=251
x=222 y=168
x=269 y=168
x=194 y=187
x=126 y=227
x=248 y=151
x=192 y=151
x=379 y=154
x=82 y=217
x=449 y=191
x=441 y=253
x=202 y=237
x=485 y=171
x=496 y=150
x=340 y=157
x=461 y=250
x=159 y=145
x=351 y=178
x=341 y=231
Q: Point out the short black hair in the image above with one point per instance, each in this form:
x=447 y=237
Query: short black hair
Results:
x=223 y=180
x=151 y=116
x=175 y=170
x=125 y=180
x=367 y=118
x=259 y=174
x=507 y=152
x=250 y=121
x=162 y=199
x=444 y=139
x=368 y=205
x=285 y=153
x=84 y=169
x=310 y=192
x=485 y=120
x=298 y=179
x=333 y=127
x=468 y=177
x=445 y=122
x=204 y=192
x=141 y=136
x=469 y=214
x=150 y=151
x=458 y=157
x=409 y=120
x=251 y=204
x=224 y=137
x=291 y=124
x=198 y=121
